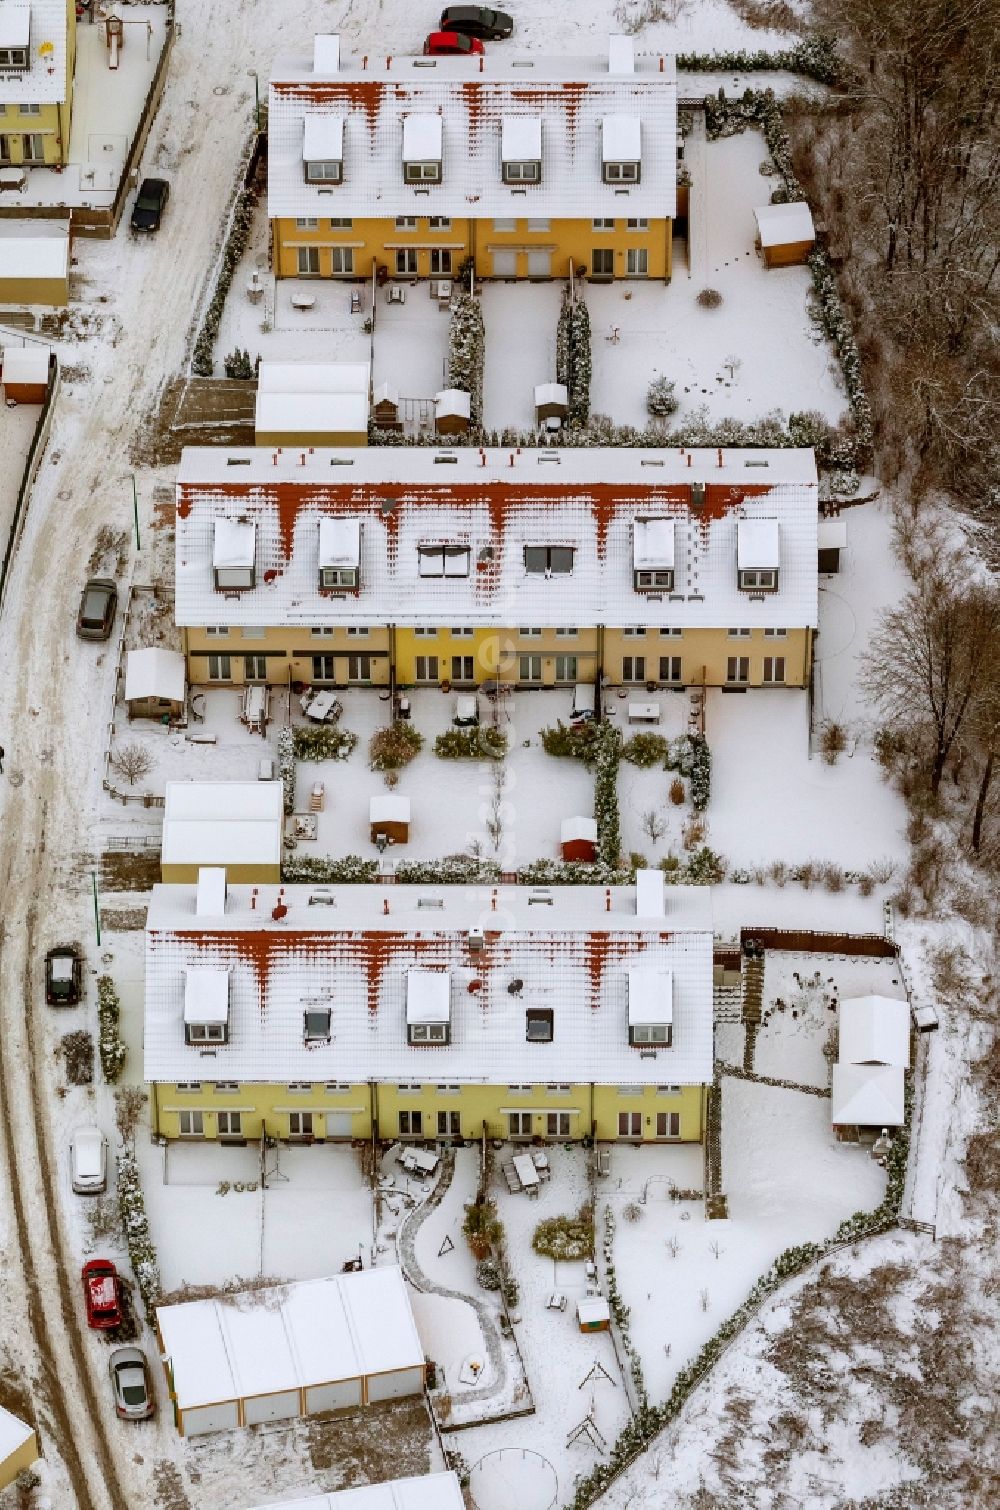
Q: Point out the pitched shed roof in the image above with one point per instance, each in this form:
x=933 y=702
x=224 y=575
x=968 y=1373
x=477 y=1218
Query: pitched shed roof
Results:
x=154 y=672
x=874 y=1030
x=785 y=224
x=867 y=1095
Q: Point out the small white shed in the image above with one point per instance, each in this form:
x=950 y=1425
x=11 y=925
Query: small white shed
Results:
x=452 y=411
x=235 y=825
x=312 y=403
x=866 y=1096
x=785 y=233
x=578 y=839
x=593 y=1314
x=874 y=1030
x=551 y=402
x=154 y=684
x=389 y=815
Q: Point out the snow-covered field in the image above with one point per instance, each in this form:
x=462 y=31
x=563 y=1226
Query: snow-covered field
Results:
x=17 y=426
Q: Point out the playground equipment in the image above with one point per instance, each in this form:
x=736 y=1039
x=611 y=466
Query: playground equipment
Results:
x=114 y=38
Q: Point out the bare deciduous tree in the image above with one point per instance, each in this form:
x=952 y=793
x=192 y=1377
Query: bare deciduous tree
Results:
x=132 y=761
x=653 y=825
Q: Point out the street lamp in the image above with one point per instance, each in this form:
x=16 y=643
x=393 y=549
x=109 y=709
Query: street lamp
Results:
x=135 y=512
x=252 y=74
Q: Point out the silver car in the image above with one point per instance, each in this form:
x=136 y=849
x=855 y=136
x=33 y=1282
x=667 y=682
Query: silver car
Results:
x=130 y=1381
x=88 y=1151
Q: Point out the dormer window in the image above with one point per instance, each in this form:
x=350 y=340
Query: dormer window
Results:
x=539 y=1025
x=758 y=557
x=650 y=1008
x=549 y=560
x=234 y=554
x=521 y=149
x=422 y=149
x=621 y=153
x=206 y=1006
x=316 y=1025
x=428 y=1007
x=653 y=555
x=443 y=560
x=323 y=149
x=339 y=552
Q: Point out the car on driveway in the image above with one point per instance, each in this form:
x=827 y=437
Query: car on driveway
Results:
x=441 y=44
x=147 y=211
x=88 y=1153
x=478 y=21
x=98 y=607
x=102 y=1292
x=63 y=976
x=130 y=1382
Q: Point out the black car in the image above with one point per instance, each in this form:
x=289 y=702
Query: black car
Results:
x=149 y=202
x=63 y=976
x=478 y=21
x=97 y=609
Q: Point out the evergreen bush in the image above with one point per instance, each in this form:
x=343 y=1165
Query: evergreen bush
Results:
x=646 y=750
x=237 y=241
x=566 y=1237
x=110 y=1045
x=481 y=743
x=661 y=400
x=135 y=1225
x=391 y=749
x=324 y=742
x=350 y=870
x=574 y=359
x=467 y=352
x=286 y=767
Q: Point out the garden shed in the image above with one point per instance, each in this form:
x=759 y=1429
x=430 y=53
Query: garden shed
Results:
x=874 y=1030
x=234 y=825
x=312 y=404
x=593 y=1314
x=785 y=233
x=551 y=402
x=578 y=839
x=433 y=1491
x=389 y=816
x=154 y=684
x=18 y=1447
x=34 y=262
x=452 y=411
x=385 y=407
x=293 y=1350
x=25 y=374
x=832 y=539
x=866 y=1098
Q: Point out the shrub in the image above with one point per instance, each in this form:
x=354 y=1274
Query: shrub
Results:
x=574 y=740
x=566 y=1237
x=832 y=741
x=453 y=870
x=705 y=868
x=482 y=1228
x=351 y=870
x=202 y=364
x=325 y=742
x=390 y=749
x=135 y=1224
x=239 y=364
x=110 y=1045
x=607 y=753
x=573 y=356
x=482 y=743
x=467 y=352
x=286 y=766
x=645 y=750
x=661 y=399
x=701 y=772
x=677 y=791
x=710 y=298
x=78 y=1056
x=488 y=1273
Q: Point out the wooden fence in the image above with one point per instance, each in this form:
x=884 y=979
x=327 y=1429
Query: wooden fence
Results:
x=808 y=941
x=31 y=465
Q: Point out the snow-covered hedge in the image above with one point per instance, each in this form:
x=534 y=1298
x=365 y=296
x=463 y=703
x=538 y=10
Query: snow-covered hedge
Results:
x=815 y=58
x=453 y=870
x=110 y=1045
x=325 y=742
x=573 y=873
x=486 y=743
x=608 y=749
x=573 y=356
x=621 y=1312
x=350 y=870
x=237 y=241
x=701 y=772
x=286 y=766
x=135 y=1225
x=467 y=352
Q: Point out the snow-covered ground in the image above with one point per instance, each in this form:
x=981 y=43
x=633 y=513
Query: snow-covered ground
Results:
x=17 y=427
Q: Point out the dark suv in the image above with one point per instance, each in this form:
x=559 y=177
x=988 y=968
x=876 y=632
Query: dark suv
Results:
x=63 y=976
x=149 y=203
x=478 y=21
x=97 y=609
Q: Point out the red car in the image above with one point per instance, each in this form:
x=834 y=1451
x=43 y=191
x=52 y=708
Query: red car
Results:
x=102 y=1292
x=441 y=43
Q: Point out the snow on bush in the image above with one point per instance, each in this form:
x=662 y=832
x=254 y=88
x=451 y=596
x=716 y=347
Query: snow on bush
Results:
x=486 y=743
x=620 y=1311
x=78 y=1056
x=661 y=399
x=814 y=59
x=286 y=766
x=467 y=352
x=327 y=742
x=135 y=1225
x=350 y=870
x=391 y=749
x=606 y=760
x=573 y=356
x=566 y=1238
x=701 y=772
x=646 y=750
x=452 y=870
x=110 y=1045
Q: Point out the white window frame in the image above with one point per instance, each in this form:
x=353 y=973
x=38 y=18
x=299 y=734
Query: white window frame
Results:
x=255 y=668
x=441 y=262
x=519 y=1125
x=759 y=579
x=422 y=173
x=359 y=668
x=775 y=634
x=634 y=632
x=300 y=1126
x=191 y=1124
x=220 y=668
x=671 y=1124
x=406 y=261
x=306 y=223
x=426 y=668
x=529 y=668
x=217 y=629
x=449 y=1123
x=557 y=1124
x=410 y=1122
x=737 y=634
x=640 y=224
x=324 y=668
x=637 y=261
x=521 y=172
x=671 y=669
x=527 y=633
x=737 y=670
x=605 y=255
x=328 y=170
x=463 y=668
x=341 y=261
x=620 y=173
x=307 y=258
x=633 y=668
x=774 y=670
x=630 y=1125
x=229 y=1124
x=567 y=668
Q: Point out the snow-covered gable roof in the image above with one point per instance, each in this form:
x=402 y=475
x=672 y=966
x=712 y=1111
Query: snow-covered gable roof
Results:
x=389 y=807
x=874 y=1030
x=653 y=544
x=311 y=414
x=43 y=82
x=222 y=823
x=489 y=510
x=578 y=828
x=313 y=377
x=434 y=1491
x=13 y=1434
x=551 y=393
x=25 y=364
x=289 y=1337
x=785 y=224
x=568 y=953
x=33 y=248
x=473 y=101
x=154 y=672
x=452 y=401
x=867 y=1095
x=428 y=996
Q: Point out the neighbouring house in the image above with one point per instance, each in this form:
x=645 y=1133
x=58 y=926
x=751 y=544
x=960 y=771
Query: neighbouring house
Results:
x=34 y=260
x=312 y=404
x=873 y=1057
x=18 y=1447
x=37 y=61
x=416 y=566
x=292 y=1350
x=433 y=1491
x=551 y=404
x=785 y=233
x=25 y=373
x=237 y=826
x=389 y=818
x=155 y=685
x=425 y=1011
x=452 y=411
x=530 y=166
x=578 y=839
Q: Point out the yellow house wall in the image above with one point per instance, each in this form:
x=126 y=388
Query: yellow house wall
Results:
x=52 y=291
x=246 y=875
x=51 y=122
x=610 y=1100
x=311 y=438
x=20 y=1459
x=373 y=241
x=258 y=1104
x=288 y=653
x=705 y=652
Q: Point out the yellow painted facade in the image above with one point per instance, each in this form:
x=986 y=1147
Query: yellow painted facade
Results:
x=426 y=1110
x=521 y=655
x=311 y=438
x=39 y=134
x=434 y=247
x=242 y=875
x=17 y=1461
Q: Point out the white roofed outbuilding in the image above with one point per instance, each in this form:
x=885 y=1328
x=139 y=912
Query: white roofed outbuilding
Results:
x=874 y=1030
x=785 y=233
x=867 y=1095
x=236 y=826
x=155 y=683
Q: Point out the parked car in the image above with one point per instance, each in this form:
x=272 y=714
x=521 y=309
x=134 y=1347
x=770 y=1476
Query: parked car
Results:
x=102 y=1292
x=88 y=1153
x=478 y=21
x=149 y=204
x=98 y=607
x=130 y=1382
x=63 y=976
x=442 y=43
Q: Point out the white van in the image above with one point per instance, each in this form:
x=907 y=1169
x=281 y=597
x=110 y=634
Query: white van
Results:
x=88 y=1151
x=584 y=703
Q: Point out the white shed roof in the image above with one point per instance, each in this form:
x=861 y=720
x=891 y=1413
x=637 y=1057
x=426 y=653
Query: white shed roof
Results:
x=551 y=393
x=222 y=823
x=313 y=377
x=422 y=134
x=650 y=997
x=428 y=996
x=25 y=364
x=757 y=544
x=323 y=139
x=340 y=542
x=319 y=414
x=206 y=995
x=874 y=1030
x=653 y=544
x=388 y=807
x=235 y=543
x=452 y=401
x=832 y=534
x=592 y=1308
x=154 y=672
x=578 y=828
x=867 y=1095
x=784 y=224
x=13 y=1434
x=621 y=139
x=291 y=1336
x=434 y=1491
x=33 y=248
x=521 y=138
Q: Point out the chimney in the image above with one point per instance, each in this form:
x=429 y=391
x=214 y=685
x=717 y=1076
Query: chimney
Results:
x=697 y=496
x=493 y=900
x=385 y=907
x=649 y=902
x=326 y=54
x=607 y=899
